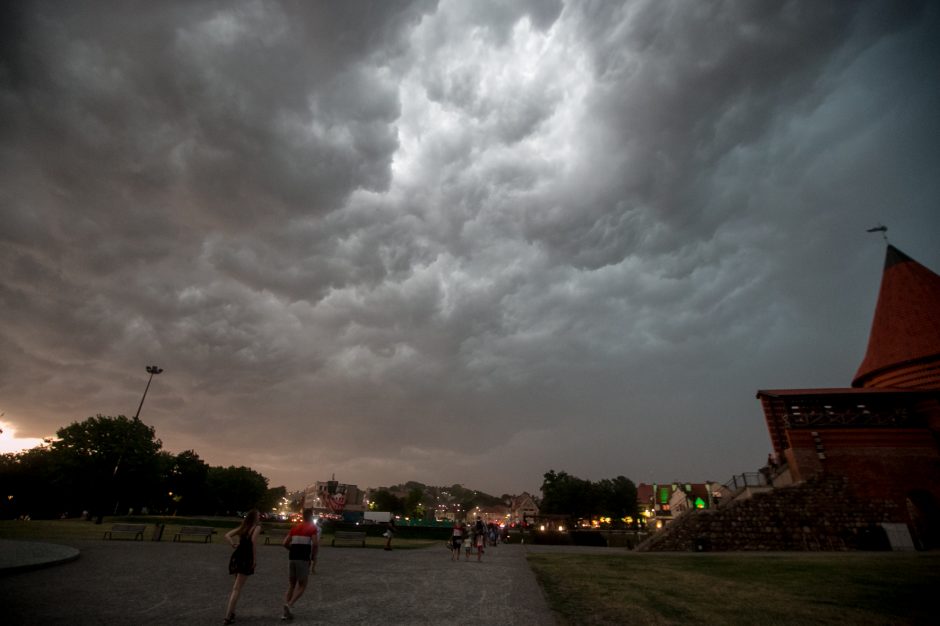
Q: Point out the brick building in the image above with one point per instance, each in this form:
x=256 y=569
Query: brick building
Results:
x=882 y=434
x=330 y=497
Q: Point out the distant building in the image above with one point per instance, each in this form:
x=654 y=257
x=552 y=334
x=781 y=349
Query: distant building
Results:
x=660 y=503
x=522 y=507
x=882 y=434
x=335 y=498
x=695 y=496
x=644 y=502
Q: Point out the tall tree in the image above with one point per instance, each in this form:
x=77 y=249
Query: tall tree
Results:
x=236 y=489
x=272 y=498
x=617 y=498
x=563 y=494
x=103 y=464
x=28 y=481
x=385 y=500
x=187 y=481
x=566 y=494
x=413 y=503
x=108 y=462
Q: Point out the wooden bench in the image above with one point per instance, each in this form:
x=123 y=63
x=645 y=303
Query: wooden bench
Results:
x=349 y=536
x=277 y=534
x=137 y=530
x=195 y=531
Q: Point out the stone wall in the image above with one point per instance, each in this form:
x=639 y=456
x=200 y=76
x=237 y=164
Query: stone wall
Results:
x=821 y=513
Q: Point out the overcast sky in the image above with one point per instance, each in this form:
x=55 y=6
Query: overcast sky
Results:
x=454 y=242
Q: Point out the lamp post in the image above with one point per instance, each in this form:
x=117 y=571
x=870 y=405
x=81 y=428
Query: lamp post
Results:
x=151 y=369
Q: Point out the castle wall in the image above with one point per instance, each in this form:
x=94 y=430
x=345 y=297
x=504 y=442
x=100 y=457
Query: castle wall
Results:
x=881 y=463
x=822 y=513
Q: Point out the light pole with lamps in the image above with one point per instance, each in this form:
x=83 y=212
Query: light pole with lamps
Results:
x=151 y=369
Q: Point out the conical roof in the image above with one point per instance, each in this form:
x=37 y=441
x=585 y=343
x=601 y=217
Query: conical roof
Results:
x=904 y=344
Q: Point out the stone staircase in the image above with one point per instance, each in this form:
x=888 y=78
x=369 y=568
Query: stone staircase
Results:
x=819 y=514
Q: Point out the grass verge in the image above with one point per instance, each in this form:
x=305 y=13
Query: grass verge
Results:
x=818 y=588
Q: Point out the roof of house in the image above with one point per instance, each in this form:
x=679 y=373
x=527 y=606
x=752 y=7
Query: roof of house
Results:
x=699 y=490
x=833 y=391
x=522 y=499
x=905 y=332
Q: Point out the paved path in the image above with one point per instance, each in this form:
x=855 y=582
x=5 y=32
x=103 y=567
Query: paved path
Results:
x=134 y=582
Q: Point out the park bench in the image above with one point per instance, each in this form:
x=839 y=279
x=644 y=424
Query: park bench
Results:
x=275 y=534
x=137 y=530
x=349 y=536
x=195 y=531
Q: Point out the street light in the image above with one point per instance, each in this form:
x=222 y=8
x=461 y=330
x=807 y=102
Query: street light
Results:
x=151 y=369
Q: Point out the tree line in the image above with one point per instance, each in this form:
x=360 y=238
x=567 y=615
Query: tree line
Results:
x=576 y=498
x=562 y=495
x=106 y=465
x=420 y=500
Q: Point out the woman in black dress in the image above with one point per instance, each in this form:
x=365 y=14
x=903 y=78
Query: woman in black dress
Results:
x=242 y=563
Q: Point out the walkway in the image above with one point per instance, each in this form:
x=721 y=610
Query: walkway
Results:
x=133 y=582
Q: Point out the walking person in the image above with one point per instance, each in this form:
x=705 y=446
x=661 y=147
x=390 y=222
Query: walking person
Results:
x=480 y=544
x=242 y=562
x=302 y=543
x=456 y=540
x=389 y=533
x=479 y=538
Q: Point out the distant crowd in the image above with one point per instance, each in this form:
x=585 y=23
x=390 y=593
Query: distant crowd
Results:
x=473 y=538
x=303 y=542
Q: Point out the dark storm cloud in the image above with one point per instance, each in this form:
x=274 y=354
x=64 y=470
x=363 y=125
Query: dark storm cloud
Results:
x=453 y=242
x=252 y=112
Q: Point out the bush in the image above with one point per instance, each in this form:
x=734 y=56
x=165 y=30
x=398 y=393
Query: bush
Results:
x=548 y=537
x=588 y=538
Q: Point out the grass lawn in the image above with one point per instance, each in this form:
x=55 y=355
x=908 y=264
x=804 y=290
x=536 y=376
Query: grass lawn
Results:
x=65 y=531
x=55 y=531
x=735 y=588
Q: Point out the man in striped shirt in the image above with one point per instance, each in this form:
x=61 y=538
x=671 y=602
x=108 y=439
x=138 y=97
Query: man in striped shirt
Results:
x=302 y=543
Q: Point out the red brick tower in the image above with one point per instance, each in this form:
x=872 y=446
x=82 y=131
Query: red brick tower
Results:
x=904 y=344
x=883 y=433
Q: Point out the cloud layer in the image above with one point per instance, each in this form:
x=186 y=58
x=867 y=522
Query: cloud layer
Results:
x=454 y=242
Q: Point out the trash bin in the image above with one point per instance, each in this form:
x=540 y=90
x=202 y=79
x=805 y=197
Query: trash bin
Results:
x=158 y=532
x=703 y=544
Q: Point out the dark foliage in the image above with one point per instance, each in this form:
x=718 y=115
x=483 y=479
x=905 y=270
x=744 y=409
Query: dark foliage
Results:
x=563 y=494
x=106 y=465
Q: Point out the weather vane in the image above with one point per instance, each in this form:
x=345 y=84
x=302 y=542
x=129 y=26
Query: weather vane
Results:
x=880 y=228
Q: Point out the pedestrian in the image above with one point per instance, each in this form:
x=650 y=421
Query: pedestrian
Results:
x=389 y=533
x=242 y=562
x=479 y=538
x=302 y=543
x=456 y=540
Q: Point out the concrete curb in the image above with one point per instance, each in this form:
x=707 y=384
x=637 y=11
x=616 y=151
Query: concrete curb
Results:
x=24 y=556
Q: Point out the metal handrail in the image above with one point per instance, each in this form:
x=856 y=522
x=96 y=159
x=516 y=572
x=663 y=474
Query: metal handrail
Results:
x=747 y=479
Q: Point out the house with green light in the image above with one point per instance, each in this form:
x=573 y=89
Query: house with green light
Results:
x=660 y=503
